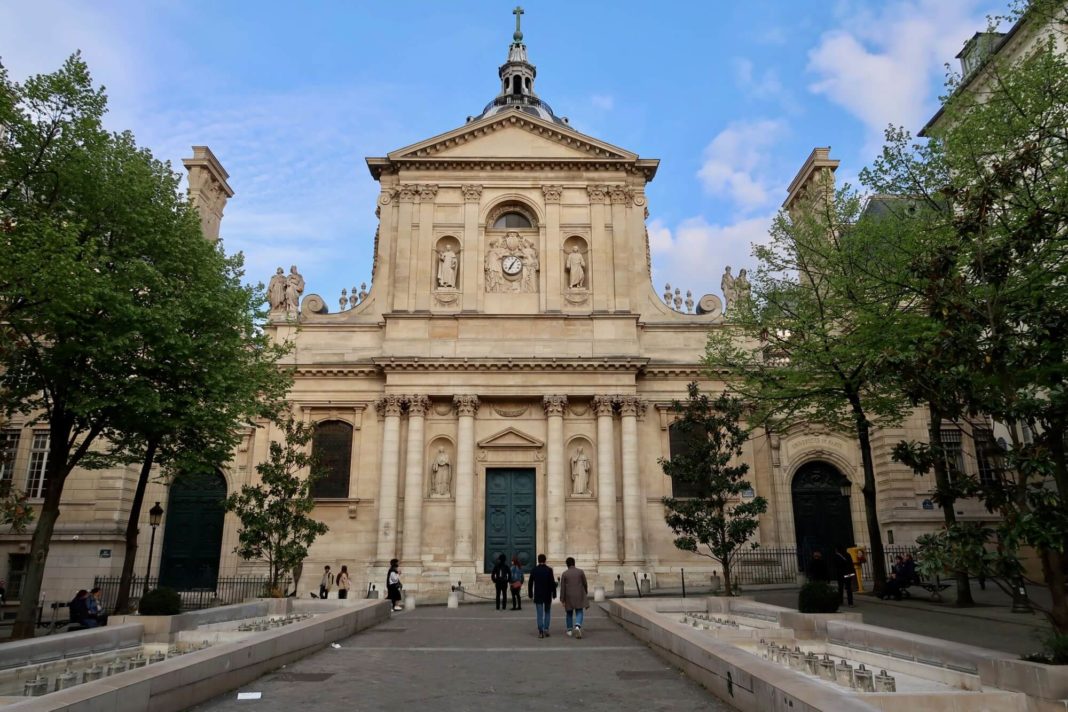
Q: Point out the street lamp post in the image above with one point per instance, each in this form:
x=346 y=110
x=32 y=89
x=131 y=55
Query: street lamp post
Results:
x=155 y=516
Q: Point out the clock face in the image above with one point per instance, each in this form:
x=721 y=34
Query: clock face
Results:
x=512 y=265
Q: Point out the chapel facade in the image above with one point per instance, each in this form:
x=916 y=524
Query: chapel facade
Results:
x=504 y=386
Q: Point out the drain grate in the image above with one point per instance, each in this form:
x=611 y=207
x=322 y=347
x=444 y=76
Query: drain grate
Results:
x=647 y=674
x=303 y=676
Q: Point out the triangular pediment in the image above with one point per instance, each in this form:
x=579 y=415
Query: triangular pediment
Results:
x=511 y=438
x=512 y=135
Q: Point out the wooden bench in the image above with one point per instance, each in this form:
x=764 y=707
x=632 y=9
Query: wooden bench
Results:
x=57 y=624
x=935 y=589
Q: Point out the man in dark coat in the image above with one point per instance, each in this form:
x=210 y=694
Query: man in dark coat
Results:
x=817 y=568
x=541 y=586
x=500 y=577
x=79 y=610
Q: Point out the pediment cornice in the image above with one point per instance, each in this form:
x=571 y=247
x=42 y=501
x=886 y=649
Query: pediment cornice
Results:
x=511 y=438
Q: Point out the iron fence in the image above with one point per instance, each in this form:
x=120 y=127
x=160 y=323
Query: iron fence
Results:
x=227 y=589
x=783 y=564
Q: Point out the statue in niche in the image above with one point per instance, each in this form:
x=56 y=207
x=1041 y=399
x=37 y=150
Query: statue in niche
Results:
x=447 y=263
x=741 y=287
x=580 y=473
x=442 y=474
x=727 y=285
x=576 y=269
x=276 y=291
x=294 y=288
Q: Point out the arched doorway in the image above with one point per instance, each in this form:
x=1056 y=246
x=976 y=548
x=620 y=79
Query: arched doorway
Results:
x=192 y=537
x=822 y=520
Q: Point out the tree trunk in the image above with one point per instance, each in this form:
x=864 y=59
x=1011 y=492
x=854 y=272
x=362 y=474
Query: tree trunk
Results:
x=875 y=536
x=122 y=603
x=1054 y=574
x=727 y=577
x=56 y=470
x=946 y=500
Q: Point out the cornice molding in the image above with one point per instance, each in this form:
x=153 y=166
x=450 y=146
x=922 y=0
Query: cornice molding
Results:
x=519 y=164
x=628 y=365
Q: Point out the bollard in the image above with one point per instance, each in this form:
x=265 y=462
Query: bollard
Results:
x=598 y=593
x=459 y=589
x=647 y=585
x=717 y=583
x=863 y=676
x=409 y=601
x=618 y=586
x=843 y=675
x=36 y=687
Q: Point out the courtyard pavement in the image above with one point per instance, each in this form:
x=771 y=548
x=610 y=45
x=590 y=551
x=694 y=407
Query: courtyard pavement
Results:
x=477 y=658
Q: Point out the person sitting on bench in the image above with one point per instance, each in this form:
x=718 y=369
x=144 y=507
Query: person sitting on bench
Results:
x=79 y=610
x=897 y=581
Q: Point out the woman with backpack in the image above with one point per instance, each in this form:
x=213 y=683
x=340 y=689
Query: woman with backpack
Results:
x=516 y=584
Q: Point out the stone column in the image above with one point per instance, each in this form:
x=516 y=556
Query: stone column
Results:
x=466 y=408
x=424 y=260
x=471 y=275
x=402 y=276
x=413 y=482
x=623 y=260
x=606 y=480
x=552 y=261
x=555 y=492
x=389 y=406
x=630 y=408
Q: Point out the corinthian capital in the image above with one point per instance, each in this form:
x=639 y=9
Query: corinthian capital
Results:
x=389 y=405
x=604 y=405
x=466 y=404
x=407 y=193
x=552 y=193
x=619 y=194
x=632 y=405
x=472 y=193
x=427 y=193
x=554 y=405
x=418 y=405
x=597 y=193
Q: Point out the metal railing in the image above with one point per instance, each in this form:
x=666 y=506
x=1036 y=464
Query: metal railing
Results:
x=517 y=100
x=227 y=589
x=783 y=564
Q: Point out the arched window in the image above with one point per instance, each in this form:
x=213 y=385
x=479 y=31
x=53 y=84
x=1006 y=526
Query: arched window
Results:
x=517 y=85
x=683 y=442
x=512 y=220
x=332 y=445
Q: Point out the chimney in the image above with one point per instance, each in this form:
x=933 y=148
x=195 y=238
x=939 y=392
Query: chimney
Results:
x=208 y=189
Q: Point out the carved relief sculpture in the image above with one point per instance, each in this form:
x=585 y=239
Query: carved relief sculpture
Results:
x=441 y=475
x=276 y=291
x=576 y=269
x=580 y=473
x=294 y=288
x=512 y=264
x=447 y=262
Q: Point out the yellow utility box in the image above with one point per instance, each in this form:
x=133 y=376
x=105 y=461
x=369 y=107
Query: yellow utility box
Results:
x=859 y=556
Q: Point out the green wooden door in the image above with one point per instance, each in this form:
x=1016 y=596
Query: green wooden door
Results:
x=510 y=516
x=192 y=537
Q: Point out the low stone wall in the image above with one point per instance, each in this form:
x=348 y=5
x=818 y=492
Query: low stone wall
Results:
x=70 y=645
x=182 y=682
x=743 y=680
x=162 y=629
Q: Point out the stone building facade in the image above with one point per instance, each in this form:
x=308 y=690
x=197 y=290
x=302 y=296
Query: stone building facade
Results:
x=504 y=387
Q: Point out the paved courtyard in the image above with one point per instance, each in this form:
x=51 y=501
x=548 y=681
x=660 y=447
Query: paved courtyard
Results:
x=476 y=658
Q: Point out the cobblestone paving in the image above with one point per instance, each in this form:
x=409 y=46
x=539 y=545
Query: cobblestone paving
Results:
x=476 y=658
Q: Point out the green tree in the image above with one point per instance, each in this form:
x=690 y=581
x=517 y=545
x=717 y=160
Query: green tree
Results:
x=806 y=346
x=718 y=520
x=275 y=514
x=99 y=254
x=989 y=258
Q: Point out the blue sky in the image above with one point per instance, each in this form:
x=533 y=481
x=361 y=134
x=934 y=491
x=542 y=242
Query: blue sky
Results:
x=292 y=97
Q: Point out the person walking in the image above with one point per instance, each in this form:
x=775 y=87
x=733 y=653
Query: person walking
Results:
x=573 y=595
x=845 y=574
x=501 y=577
x=517 y=584
x=393 y=584
x=344 y=583
x=541 y=587
x=326 y=582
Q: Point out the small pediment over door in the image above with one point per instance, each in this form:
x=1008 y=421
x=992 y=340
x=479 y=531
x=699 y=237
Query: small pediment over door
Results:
x=512 y=439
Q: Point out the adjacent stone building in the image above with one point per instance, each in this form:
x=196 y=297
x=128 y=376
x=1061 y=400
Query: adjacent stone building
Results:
x=504 y=386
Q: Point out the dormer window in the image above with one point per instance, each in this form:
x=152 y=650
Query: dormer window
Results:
x=512 y=220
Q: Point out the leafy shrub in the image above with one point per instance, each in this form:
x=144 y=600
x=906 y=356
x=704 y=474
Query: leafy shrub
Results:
x=161 y=602
x=818 y=597
x=1054 y=651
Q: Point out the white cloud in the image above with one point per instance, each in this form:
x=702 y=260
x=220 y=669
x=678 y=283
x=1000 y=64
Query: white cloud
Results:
x=759 y=85
x=693 y=255
x=880 y=66
x=735 y=162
